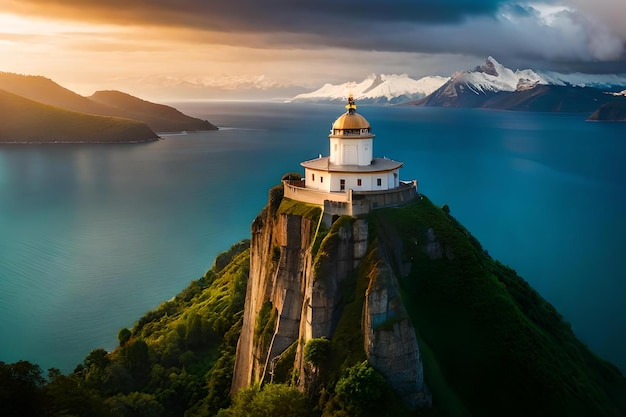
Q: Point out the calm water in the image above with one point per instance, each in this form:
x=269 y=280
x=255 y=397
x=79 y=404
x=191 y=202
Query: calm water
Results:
x=94 y=236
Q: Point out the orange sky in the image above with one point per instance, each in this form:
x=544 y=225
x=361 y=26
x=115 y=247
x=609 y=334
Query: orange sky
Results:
x=163 y=48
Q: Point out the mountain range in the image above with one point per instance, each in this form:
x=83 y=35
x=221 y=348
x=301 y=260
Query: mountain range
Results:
x=376 y=89
x=490 y=85
x=38 y=106
x=494 y=86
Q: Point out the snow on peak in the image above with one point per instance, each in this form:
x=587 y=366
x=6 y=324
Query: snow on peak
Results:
x=377 y=88
x=493 y=76
x=578 y=79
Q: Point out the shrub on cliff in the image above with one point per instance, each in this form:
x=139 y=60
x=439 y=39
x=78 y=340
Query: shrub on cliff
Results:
x=272 y=400
x=316 y=351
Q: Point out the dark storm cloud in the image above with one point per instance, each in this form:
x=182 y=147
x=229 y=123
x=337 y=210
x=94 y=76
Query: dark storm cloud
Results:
x=508 y=29
x=306 y=16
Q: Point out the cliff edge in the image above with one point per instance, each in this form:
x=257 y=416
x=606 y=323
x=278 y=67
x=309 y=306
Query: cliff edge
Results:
x=413 y=293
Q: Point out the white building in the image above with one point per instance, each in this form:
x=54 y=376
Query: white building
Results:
x=351 y=165
x=351 y=180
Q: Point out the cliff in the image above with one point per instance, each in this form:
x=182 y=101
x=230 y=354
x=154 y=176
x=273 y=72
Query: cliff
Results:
x=368 y=316
x=412 y=292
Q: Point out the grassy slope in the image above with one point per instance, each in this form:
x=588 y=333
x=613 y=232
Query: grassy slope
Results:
x=158 y=116
x=104 y=103
x=25 y=120
x=46 y=91
x=491 y=344
x=198 y=329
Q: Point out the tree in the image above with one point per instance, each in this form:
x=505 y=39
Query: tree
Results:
x=97 y=358
x=134 y=357
x=316 y=351
x=21 y=390
x=69 y=397
x=270 y=401
x=124 y=336
x=135 y=404
x=361 y=391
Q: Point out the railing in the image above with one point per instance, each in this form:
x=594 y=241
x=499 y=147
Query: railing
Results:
x=311 y=196
x=349 y=202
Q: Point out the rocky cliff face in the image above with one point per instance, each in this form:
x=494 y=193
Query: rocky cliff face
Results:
x=299 y=266
x=411 y=291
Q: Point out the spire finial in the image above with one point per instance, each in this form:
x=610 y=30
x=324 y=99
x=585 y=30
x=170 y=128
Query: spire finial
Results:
x=351 y=106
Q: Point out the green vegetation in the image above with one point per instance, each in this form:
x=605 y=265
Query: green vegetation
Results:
x=291 y=176
x=110 y=104
x=297 y=208
x=273 y=400
x=316 y=351
x=123 y=336
x=177 y=359
x=264 y=325
x=159 y=117
x=360 y=392
x=284 y=369
x=490 y=345
x=21 y=390
x=489 y=339
x=325 y=251
x=24 y=120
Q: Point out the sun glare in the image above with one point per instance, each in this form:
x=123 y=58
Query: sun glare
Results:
x=19 y=25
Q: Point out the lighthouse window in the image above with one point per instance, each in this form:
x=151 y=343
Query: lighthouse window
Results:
x=313 y=177
x=358 y=182
x=379 y=182
x=321 y=179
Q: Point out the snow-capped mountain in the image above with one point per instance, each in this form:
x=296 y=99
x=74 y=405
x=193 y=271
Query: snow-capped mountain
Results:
x=381 y=88
x=492 y=85
x=493 y=76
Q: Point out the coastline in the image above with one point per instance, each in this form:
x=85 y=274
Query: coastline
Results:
x=159 y=136
x=81 y=142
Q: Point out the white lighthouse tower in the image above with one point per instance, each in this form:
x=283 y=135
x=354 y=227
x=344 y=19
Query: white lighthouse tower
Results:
x=351 y=165
x=351 y=180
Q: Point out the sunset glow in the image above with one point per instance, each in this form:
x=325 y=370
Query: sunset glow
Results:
x=168 y=49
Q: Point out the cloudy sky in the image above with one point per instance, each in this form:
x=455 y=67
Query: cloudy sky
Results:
x=168 y=47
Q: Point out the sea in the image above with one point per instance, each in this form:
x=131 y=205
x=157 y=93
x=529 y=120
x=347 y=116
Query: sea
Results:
x=94 y=236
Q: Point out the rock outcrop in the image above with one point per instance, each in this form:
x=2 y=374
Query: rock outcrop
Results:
x=390 y=338
x=300 y=267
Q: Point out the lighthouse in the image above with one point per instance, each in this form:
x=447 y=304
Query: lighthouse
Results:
x=351 y=180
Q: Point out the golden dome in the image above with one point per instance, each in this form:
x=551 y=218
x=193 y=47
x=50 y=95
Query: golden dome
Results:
x=351 y=121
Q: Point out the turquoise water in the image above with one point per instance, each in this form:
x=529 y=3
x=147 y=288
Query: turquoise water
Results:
x=93 y=236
